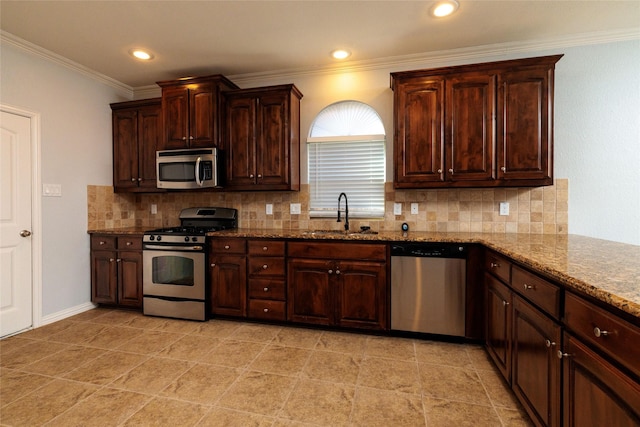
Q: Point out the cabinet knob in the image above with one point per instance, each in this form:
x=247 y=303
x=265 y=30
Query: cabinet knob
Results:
x=191 y=138
x=259 y=175
x=450 y=170
x=439 y=170
x=264 y=248
x=527 y=287
x=560 y=354
x=549 y=343
x=139 y=179
x=266 y=289
x=330 y=272
x=129 y=243
x=133 y=180
x=111 y=259
x=494 y=265
x=337 y=271
x=266 y=310
x=264 y=266
x=102 y=242
x=505 y=303
x=119 y=260
x=503 y=169
x=599 y=332
x=226 y=246
x=184 y=138
x=250 y=175
x=213 y=265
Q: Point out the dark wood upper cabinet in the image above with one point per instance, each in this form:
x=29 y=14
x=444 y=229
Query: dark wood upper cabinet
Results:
x=137 y=132
x=193 y=111
x=479 y=125
x=262 y=138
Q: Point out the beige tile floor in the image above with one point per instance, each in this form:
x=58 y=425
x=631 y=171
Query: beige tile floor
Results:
x=111 y=367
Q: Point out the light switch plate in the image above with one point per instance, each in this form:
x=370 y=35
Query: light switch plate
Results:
x=414 y=209
x=269 y=209
x=397 y=208
x=52 y=190
x=294 y=208
x=504 y=208
x=154 y=209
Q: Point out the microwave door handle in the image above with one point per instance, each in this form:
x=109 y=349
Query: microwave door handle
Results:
x=198 y=173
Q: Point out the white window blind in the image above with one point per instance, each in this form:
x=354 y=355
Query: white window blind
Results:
x=355 y=166
x=346 y=152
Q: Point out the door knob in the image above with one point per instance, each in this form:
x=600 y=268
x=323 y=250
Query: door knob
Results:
x=25 y=233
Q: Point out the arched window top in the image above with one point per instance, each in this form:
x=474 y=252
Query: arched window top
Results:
x=346 y=118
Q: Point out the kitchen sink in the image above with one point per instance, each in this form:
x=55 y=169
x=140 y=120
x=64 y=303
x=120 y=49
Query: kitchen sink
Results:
x=339 y=232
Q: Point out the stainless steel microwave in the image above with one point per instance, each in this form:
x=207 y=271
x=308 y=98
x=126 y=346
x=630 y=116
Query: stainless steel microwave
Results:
x=188 y=169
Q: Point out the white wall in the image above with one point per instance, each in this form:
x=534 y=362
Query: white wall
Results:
x=75 y=151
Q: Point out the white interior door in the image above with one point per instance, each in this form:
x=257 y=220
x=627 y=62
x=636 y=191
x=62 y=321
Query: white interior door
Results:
x=16 y=276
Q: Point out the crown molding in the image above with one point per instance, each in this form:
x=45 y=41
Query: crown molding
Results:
x=436 y=58
x=122 y=89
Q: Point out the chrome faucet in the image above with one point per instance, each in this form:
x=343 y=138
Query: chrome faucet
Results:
x=346 y=211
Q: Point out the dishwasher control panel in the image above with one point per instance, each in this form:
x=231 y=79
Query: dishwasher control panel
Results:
x=438 y=250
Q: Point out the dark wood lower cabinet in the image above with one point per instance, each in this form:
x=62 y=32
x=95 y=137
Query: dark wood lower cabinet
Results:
x=498 y=332
x=535 y=377
x=595 y=392
x=228 y=275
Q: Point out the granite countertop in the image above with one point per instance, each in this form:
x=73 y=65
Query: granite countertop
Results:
x=608 y=271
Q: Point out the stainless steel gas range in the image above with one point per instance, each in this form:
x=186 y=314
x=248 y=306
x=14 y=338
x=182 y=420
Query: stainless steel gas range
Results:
x=175 y=263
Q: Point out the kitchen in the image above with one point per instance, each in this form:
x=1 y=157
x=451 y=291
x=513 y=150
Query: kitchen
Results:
x=602 y=181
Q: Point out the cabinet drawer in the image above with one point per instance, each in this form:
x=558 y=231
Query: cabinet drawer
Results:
x=130 y=242
x=498 y=266
x=612 y=335
x=357 y=251
x=103 y=243
x=228 y=246
x=266 y=247
x=272 y=289
x=544 y=294
x=266 y=309
x=266 y=266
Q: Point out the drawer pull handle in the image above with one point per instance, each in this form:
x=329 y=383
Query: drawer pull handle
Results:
x=102 y=242
x=265 y=266
x=505 y=303
x=266 y=289
x=337 y=271
x=527 y=287
x=226 y=246
x=266 y=310
x=264 y=248
x=561 y=354
x=549 y=343
x=494 y=265
x=330 y=271
x=129 y=243
x=599 y=332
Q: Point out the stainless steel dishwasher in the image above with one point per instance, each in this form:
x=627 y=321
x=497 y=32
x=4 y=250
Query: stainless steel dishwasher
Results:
x=428 y=282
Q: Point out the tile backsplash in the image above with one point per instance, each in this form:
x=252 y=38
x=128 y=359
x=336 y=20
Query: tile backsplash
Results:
x=539 y=210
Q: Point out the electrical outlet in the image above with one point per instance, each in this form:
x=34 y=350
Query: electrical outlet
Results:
x=414 y=209
x=504 y=208
x=294 y=208
x=397 y=208
x=154 y=209
x=52 y=190
x=269 y=209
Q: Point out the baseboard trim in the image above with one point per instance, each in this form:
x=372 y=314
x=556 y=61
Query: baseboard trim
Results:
x=72 y=311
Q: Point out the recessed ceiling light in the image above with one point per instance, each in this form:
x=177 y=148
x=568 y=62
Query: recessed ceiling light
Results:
x=444 y=8
x=141 y=54
x=340 y=54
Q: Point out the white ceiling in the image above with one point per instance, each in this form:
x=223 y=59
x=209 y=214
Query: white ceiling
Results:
x=247 y=37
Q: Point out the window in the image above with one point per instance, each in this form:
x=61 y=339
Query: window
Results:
x=346 y=150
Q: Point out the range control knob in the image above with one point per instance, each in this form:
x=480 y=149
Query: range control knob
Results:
x=186 y=238
x=152 y=237
x=159 y=238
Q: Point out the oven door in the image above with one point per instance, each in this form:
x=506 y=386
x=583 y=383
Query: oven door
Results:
x=174 y=274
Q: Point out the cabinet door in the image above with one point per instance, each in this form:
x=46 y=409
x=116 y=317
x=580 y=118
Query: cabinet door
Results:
x=419 y=132
x=202 y=111
x=525 y=130
x=595 y=393
x=536 y=367
x=125 y=148
x=361 y=294
x=499 y=324
x=240 y=142
x=104 y=277
x=272 y=140
x=175 y=110
x=470 y=136
x=130 y=278
x=149 y=139
x=310 y=296
x=229 y=285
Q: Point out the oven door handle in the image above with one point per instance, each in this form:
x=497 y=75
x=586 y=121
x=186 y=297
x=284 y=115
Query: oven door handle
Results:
x=174 y=248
